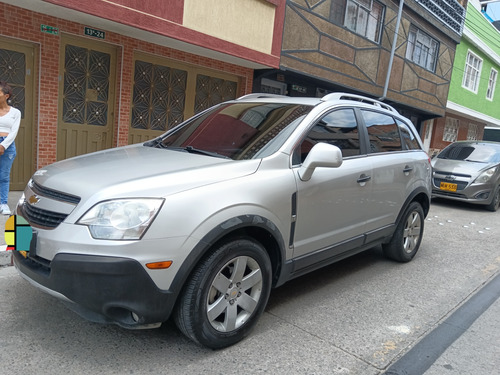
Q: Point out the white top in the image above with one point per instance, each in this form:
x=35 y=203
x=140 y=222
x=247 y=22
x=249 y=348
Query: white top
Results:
x=9 y=123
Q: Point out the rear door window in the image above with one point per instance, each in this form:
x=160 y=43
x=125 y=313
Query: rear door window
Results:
x=383 y=132
x=409 y=139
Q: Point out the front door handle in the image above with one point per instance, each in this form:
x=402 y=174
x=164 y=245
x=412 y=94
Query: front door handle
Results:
x=407 y=169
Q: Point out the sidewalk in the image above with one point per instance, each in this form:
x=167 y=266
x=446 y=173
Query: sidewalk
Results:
x=5 y=256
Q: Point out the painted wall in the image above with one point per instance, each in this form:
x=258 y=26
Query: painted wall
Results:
x=249 y=29
x=482 y=39
x=248 y=23
x=25 y=25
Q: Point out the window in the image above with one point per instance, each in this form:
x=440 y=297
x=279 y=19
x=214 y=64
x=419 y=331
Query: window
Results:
x=364 y=17
x=491 y=84
x=239 y=130
x=337 y=128
x=450 y=129
x=472 y=132
x=472 y=72
x=383 y=132
x=409 y=139
x=422 y=49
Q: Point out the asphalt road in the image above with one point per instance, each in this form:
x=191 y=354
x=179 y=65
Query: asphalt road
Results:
x=364 y=315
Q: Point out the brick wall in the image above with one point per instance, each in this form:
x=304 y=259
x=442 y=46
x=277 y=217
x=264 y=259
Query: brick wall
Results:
x=23 y=24
x=438 y=143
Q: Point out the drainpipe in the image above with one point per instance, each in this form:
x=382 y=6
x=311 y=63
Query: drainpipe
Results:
x=393 y=51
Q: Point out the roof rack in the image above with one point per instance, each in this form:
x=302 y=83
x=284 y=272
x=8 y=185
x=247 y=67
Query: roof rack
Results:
x=260 y=96
x=357 y=98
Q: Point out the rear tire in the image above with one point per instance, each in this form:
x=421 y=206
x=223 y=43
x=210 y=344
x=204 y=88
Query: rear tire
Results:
x=226 y=294
x=495 y=203
x=406 y=239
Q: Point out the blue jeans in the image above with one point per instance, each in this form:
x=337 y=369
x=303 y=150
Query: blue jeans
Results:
x=6 y=161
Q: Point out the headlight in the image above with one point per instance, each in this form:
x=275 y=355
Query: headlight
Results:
x=121 y=219
x=486 y=175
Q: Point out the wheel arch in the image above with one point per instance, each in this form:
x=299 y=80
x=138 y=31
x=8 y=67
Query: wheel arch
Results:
x=420 y=195
x=253 y=227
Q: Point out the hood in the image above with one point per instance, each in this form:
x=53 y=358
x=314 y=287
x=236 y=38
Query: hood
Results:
x=139 y=171
x=459 y=166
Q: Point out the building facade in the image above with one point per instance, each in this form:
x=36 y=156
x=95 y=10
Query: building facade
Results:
x=90 y=75
x=347 y=45
x=474 y=100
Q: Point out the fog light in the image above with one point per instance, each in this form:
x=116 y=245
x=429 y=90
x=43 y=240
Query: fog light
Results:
x=483 y=196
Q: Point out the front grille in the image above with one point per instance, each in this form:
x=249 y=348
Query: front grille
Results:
x=54 y=194
x=44 y=217
x=41 y=218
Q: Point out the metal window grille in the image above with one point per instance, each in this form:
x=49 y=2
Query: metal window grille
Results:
x=451 y=130
x=472 y=132
x=450 y=12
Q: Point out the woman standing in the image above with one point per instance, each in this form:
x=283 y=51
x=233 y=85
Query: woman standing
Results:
x=10 y=119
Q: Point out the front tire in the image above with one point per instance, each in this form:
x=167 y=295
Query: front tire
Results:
x=406 y=239
x=225 y=295
x=495 y=203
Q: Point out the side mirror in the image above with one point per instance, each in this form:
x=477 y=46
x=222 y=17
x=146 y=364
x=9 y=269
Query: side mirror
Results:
x=321 y=155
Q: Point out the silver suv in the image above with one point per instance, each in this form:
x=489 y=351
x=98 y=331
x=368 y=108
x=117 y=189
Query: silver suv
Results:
x=201 y=222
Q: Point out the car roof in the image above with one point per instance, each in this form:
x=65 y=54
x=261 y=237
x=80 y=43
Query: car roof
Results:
x=333 y=98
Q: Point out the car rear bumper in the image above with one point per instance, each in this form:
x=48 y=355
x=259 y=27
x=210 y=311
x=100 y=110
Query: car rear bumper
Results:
x=100 y=288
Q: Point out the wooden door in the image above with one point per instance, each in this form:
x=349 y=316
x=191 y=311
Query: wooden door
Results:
x=17 y=68
x=86 y=97
x=167 y=92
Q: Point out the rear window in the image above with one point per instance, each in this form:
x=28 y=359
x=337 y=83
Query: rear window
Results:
x=474 y=152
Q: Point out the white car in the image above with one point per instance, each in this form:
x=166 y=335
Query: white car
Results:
x=203 y=221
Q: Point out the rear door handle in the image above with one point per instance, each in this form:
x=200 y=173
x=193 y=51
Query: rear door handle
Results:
x=364 y=178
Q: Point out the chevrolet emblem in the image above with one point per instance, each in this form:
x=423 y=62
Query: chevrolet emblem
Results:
x=33 y=199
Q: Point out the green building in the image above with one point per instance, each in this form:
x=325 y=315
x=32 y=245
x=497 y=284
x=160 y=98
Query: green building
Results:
x=474 y=97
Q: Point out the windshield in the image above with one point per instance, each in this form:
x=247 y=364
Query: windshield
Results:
x=237 y=130
x=475 y=152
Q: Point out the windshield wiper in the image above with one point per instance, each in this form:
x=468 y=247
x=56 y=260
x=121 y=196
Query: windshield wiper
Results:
x=474 y=161
x=156 y=142
x=193 y=150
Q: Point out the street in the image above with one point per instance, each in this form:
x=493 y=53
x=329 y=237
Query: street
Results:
x=358 y=316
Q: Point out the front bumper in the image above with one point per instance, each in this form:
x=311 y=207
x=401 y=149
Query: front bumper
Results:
x=473 y=194
x=101 y=288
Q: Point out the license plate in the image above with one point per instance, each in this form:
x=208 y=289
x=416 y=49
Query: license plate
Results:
x=448 y=186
